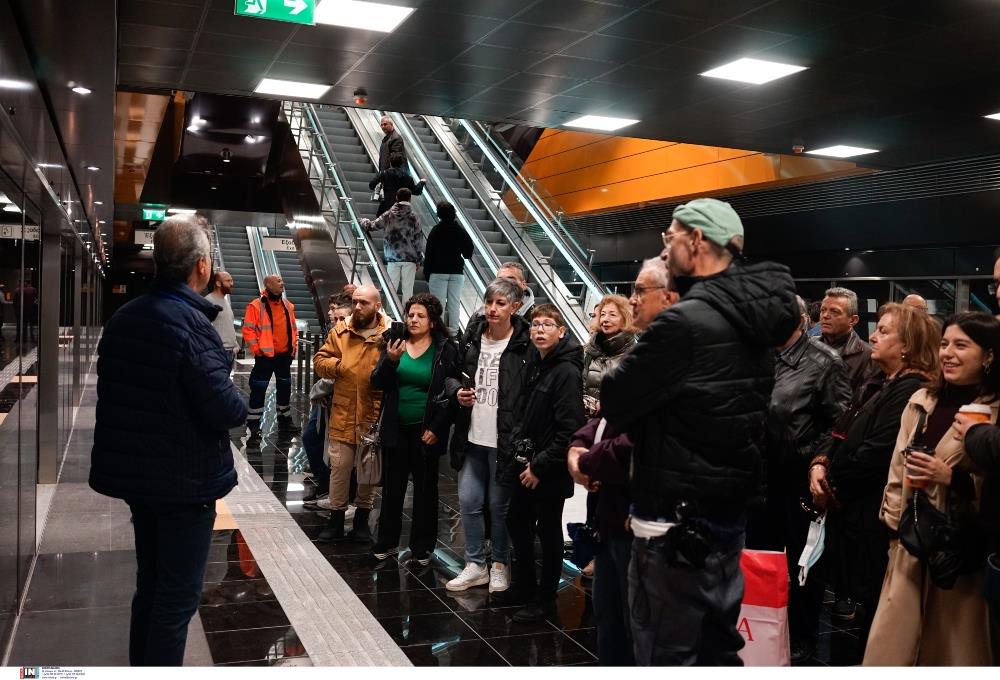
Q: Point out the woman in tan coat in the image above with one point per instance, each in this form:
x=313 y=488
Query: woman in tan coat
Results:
x=918 y=623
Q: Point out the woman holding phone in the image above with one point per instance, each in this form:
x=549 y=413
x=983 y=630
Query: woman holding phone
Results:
x=492 y=354
x=416 y=418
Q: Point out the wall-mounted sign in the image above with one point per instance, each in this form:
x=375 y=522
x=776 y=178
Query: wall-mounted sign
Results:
x=295 y=11
x=144 y=237
x=14 y=231
x=282 y=244
x=154 y=214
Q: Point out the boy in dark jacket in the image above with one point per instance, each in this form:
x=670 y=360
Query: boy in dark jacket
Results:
x=448 y=246
x=392 y=180
x=536 y=471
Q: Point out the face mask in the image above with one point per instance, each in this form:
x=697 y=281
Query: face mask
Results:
x=814 y=547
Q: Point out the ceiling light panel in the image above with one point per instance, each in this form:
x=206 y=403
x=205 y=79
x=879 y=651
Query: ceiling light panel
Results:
x=842 y=151
x=369 y=16
x=993 y=116
x=291 y=88
x=754 y=71
x=603 y=123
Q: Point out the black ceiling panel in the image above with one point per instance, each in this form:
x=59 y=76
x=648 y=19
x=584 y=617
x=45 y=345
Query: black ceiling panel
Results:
x=883 y=73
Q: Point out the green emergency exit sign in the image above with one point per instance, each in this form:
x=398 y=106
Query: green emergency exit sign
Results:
x=295 y=11
x=154 y=214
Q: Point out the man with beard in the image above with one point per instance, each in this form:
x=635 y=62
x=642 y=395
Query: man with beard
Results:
x=692 y=394
x=348 y=357
x=269 y=331
x=224 y=323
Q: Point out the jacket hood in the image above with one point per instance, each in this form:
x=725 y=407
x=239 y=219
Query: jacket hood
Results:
x=401 y=209
x=758 y=300
x=601 y=345
x=567 y=351
x=182 y=291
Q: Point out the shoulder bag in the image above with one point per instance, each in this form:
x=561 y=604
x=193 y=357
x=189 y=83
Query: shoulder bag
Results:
x=368 y=453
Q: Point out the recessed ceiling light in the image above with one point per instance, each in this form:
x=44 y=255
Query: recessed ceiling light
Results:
x=755 y=71
x=49 y=165
x=842 y=151
x=370 y=16
x=993 y=116
x=181 y=211
x=93 y=168
x=4 y=199
x=255 y=120
x=98 y=202
x=11 y=208
x=605 y=123
x=10 y=84
x=291 y=88
x=80 y=89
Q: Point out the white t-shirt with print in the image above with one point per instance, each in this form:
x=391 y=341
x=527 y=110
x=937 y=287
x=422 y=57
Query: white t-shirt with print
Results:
x=483 y=428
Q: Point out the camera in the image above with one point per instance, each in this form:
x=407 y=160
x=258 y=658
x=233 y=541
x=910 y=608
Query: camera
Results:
x=524 y=451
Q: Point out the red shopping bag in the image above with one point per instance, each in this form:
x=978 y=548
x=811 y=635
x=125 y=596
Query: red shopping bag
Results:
x=764 y=614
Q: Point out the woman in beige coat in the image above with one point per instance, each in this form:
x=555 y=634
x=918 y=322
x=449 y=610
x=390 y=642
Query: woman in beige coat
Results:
x=918 y=623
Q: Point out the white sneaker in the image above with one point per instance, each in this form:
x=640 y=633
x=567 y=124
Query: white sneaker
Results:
x=473 y=575
x=499 y=578
x=349 y=513
x=323 y=503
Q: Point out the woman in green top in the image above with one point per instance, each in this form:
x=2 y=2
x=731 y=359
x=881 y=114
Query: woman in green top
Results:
x=416 y=418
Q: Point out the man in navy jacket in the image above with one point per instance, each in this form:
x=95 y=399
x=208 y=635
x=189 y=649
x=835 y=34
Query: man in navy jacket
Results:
x=165 y=404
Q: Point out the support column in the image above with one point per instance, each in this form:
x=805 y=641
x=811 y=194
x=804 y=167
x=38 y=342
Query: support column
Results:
x=77 y=315
x=48 y=360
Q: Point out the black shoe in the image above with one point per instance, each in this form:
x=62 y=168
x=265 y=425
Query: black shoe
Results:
x=314 y=496
x=534 y=612
x=844 y=610
x=334 y=530
x=419 y=557
x=288 y=425
x=360 y=533
x=254 y=431
x=802 y=651
x=380 y=553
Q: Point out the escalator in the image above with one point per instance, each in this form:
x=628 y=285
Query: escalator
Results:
x=235 y=249
x=297 y=289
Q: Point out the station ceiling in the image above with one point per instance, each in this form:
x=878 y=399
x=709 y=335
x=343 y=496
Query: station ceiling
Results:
x=912 y=78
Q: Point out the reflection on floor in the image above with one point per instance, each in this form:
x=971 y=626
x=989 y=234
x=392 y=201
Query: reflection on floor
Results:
x=433 y=626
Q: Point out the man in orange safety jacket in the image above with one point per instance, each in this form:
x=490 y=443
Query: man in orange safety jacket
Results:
x=269 y=331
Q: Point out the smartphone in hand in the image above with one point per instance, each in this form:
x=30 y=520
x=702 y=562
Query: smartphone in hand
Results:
x=467 y=382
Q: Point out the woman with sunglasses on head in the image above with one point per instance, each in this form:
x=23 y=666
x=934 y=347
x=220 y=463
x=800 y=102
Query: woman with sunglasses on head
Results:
x=536 y=471
x=919 y=623
x=848 y=479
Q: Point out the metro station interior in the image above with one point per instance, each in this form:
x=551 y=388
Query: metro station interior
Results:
x=565 y=132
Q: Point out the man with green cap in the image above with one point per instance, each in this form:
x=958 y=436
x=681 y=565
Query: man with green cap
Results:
x=693 y=394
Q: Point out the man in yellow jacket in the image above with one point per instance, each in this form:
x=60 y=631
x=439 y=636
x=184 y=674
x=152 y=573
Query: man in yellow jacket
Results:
x=349 y=356
x=270 y=333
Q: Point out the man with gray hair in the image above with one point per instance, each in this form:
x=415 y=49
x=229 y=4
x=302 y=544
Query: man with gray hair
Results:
x=165 y=405
x=392 y=143
x=838 y=315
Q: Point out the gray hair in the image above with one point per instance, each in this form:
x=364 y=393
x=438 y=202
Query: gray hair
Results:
x=503 y=288
x=803 y=307
x=178 y=243
x=658 y=269
x=847 y=294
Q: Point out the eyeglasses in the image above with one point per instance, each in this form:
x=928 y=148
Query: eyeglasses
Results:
x=547 y=325
x=993 y=286
x=668 y=238
x=638 y=291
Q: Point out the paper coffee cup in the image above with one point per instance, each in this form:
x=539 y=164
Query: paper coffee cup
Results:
x=979 y=412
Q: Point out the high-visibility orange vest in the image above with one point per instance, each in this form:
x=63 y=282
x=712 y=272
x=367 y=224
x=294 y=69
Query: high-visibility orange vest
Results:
x=258 y=326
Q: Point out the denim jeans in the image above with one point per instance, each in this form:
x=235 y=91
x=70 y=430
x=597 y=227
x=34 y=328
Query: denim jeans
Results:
x=448 y=289
x=171 y=549
x=610 y=592
x=407 y=271
x=313 y=441
x=477 y=480
x=280 y=365
x=682 y=615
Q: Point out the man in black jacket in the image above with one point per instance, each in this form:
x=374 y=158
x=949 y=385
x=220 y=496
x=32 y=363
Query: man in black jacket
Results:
x=165 y=405
x=448 y=246
x=693 y=394
x=811 y=391
x=391 y=144
x=838 y=315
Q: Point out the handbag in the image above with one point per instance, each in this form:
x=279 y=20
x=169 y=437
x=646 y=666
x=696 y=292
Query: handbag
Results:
x=945 y=542
x=368 y=453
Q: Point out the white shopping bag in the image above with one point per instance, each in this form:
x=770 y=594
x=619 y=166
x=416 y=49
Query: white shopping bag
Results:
x=764 y=614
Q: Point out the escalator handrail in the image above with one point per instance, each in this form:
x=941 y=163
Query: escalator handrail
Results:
x=554 y=233
x=357 y=232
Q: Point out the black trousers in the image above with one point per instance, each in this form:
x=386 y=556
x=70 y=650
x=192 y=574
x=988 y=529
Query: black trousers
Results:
x=529 y=515
x=610 y=592
x=409 y=458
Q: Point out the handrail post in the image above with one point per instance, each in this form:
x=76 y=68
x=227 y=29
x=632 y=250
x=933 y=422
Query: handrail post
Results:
x=298 y=340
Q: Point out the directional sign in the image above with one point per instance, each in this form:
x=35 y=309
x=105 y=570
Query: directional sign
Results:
x=144 y=237
x=282 y=244
x=154 y=214
x=14 y=231
x=295 y=11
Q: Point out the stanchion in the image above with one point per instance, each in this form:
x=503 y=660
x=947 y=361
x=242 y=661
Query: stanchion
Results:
x=298 y=342
x=310 y=349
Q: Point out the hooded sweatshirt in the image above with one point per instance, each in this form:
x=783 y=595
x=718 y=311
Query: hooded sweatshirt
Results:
x=693 y=392
x=551 y=413
x=404 y=240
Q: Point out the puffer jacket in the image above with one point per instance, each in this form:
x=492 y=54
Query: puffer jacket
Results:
x=404 y=239
x=982 y=443
x=693 y=392
x=549 y=415
x=349 y=358
x=811 y=392
x=513 y=371
x=600 y=355
x=165 y=402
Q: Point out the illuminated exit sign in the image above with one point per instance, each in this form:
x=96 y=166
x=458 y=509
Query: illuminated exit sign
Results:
x=154 y=214
x=295 y=11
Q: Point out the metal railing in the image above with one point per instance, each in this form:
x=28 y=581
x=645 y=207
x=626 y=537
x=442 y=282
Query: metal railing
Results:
x=352 y=243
